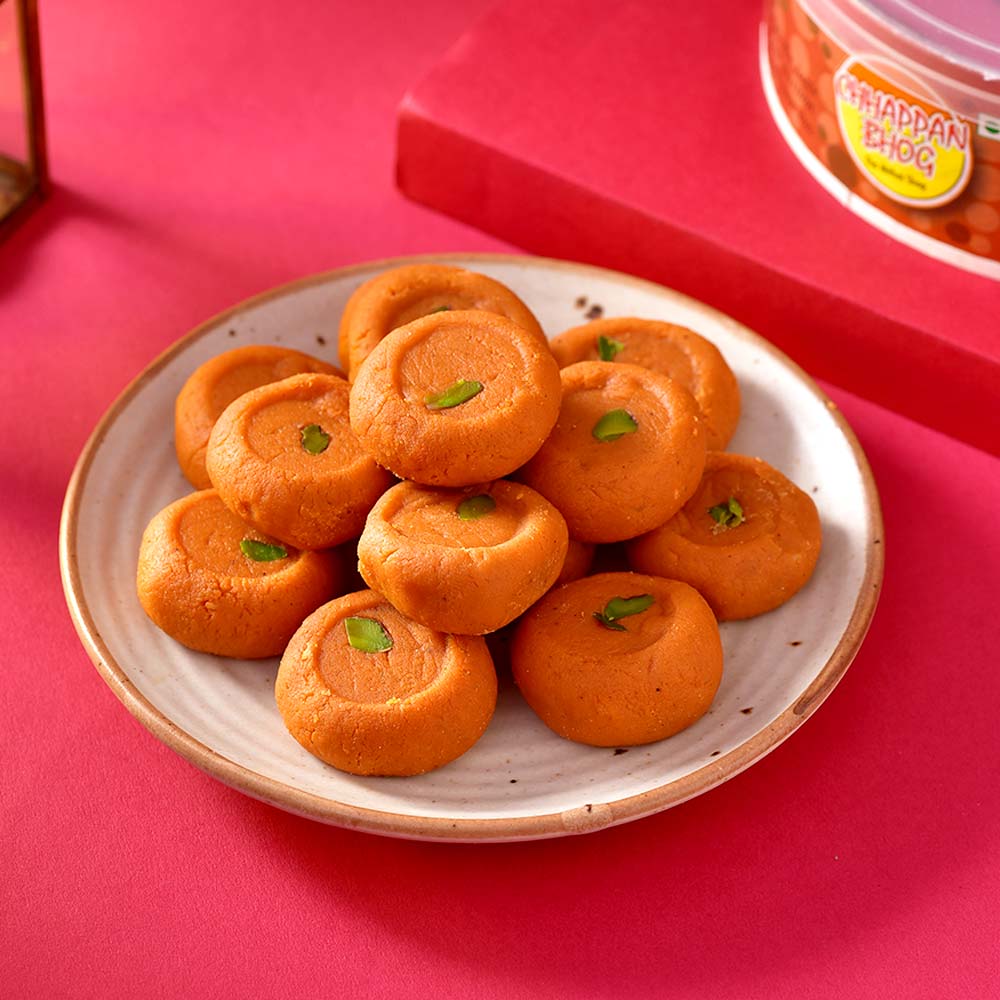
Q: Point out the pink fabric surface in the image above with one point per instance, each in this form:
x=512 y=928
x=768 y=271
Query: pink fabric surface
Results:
x=202 y=154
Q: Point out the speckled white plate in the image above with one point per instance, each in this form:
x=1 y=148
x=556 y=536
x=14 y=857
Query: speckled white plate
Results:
x=520 y=781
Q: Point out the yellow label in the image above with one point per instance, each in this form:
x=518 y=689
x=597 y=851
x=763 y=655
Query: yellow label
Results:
x=912 y=150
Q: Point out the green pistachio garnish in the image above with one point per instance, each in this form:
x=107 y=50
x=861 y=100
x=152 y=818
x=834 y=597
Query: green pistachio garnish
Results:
x=262 y=551
x=622 y=607
x=368 y=635
x=614 y=424
x=458 y=392
x=607 y=348
x=475 y=507
x=727 y=515
x=440 y=309
x=314 y=439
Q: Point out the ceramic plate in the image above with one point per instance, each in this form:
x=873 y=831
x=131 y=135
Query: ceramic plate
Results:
x=520 y=781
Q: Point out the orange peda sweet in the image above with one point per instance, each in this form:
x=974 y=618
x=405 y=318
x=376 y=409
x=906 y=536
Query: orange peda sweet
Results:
x=213 y=385
x=283 y=457
x=403 y=294
x=667 y=348
x=403 y=710
x=456 y=398
x=748 y=539
x=579 y=559
x=618 y=680
x=462 y=561
x=216 y=585
x=626 y=452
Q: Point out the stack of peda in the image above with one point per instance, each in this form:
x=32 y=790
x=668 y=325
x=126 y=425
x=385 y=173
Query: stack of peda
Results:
x=279 y=455
x=215 y=384
x=401 y=295
x=519 y=460
x=284 y=459
x=683 y=355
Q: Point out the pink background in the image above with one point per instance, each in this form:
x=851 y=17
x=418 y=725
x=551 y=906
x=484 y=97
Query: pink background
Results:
x=207 y=152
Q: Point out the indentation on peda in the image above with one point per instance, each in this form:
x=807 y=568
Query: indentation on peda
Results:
x=438 y=358
x=432 y=519
x=366 y=678
x=210 y=535
x=609 y=490
x=475 y=438
x=274 y=432
x=758 y=498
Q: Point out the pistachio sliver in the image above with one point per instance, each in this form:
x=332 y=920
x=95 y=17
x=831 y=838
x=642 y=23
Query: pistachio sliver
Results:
x=314 y=439
x=368 y=635
x=458 y=392
x=609 y=622
x=608 y=347
x=613 y=425
x=623 y=607
x=262 y=551
x=475 y=507
x=727 y=515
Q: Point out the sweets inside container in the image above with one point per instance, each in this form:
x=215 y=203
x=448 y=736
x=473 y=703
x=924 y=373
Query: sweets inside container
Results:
x=515 y=478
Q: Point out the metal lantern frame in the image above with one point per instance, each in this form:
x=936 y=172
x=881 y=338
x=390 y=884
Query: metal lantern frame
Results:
x=32 y=175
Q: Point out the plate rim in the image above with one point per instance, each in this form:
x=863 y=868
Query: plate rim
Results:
x=581 y=819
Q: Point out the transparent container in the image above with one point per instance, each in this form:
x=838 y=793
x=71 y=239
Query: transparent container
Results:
x=894 y=107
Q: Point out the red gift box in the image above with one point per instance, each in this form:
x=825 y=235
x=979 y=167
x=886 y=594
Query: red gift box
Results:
x=636 y=136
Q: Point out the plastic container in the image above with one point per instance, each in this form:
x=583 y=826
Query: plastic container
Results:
x=894 y=107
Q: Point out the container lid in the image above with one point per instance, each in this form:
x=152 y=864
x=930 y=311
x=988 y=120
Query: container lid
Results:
x=965 y=33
